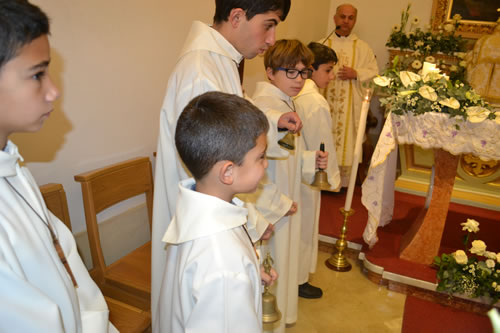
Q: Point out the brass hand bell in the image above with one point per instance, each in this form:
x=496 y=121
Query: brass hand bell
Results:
x=270 y=311
x=321 y=177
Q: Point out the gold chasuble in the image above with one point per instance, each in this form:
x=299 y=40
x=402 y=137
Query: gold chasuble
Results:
x=345 y=96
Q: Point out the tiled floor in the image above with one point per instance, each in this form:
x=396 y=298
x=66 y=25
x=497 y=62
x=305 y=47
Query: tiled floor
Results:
x=350 y=303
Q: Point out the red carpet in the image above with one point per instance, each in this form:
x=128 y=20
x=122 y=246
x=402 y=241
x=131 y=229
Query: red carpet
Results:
x=423 y=316
x=419 y=315
x=385 y=252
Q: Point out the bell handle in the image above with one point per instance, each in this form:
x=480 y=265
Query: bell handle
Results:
x=322 y=149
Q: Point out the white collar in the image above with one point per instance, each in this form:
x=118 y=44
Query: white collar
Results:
x=351 y=37
x=310 y=87
x=264 y=88
x=199 y=215
x=203 y=37
x=8 y=160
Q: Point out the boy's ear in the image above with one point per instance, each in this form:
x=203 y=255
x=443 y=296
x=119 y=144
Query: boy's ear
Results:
x=270 y=74
x=236 y=16
x=226 y=173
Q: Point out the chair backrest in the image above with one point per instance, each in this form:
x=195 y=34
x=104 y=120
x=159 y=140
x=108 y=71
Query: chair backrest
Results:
x=55 y=199
x=104 y=187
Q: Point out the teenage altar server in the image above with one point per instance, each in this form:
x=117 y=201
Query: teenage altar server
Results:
x=209 y=62
x=286 y=65
x=44 y=285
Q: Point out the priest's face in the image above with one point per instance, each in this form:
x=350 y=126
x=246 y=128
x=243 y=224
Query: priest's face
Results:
x=346 y=19
x=323 y=75
x=256 y=35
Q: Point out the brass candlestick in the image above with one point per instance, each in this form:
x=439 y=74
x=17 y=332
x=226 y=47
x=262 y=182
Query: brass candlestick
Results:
x=338 y=261
x=270 y=311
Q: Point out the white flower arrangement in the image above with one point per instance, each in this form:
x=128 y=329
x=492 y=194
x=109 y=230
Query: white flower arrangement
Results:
x=468 y=275
x=430 y=91
x=422 y=44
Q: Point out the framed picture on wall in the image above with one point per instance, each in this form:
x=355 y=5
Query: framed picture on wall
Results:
x=478 y=16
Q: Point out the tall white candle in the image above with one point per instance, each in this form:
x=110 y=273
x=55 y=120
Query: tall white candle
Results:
x=357 y=148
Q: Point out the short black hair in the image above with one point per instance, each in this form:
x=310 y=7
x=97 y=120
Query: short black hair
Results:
x=215 y=127
x=251 y=7
x=20 y=24
x=322 y=54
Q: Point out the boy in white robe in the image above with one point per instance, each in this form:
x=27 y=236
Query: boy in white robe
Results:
x=209 y=61
x=287 y=66
x=314 y=111
x=44 y=285
x=212 y=277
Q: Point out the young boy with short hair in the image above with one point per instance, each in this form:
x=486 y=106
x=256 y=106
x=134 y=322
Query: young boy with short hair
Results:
x=314 y=111
x=212 y=280
x=44 y=285
x=287 y=67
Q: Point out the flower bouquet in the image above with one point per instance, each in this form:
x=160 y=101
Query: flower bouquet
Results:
x=417 y=45
x=473 y=275
x=429 y=91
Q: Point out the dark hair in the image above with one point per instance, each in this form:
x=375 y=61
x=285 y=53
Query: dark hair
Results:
x=322 y=54
x=215 y=127
x=251 y=7
x=20 y=23
x=287 y=52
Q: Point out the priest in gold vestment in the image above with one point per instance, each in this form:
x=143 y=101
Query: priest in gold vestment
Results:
x=356 y=65
x=483 y=70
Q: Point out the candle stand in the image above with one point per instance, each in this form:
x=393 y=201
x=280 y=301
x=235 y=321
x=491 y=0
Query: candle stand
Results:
x=338 y=261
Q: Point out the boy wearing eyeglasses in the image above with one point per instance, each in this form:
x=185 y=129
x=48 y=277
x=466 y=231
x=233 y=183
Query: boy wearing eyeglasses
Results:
x=287 y=66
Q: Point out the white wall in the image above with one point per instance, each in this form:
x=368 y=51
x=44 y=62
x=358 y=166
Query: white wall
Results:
x=112 y=60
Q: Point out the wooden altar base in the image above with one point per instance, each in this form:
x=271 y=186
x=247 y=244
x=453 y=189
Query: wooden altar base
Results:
x=421 y=243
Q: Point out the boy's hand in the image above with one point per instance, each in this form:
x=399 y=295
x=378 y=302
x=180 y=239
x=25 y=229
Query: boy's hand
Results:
x=321 y=159
x=347 y=73
x=268 y=279
x=290 y=121
x=269 y=231
x=292 y=209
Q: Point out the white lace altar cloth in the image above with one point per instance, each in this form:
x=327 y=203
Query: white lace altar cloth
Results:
x=429 y=130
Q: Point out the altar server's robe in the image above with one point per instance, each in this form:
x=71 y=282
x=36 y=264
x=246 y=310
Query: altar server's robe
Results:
x=36 y=291
x=314 y=111
x=208 y=62
x=345 y=96
x=212 y=279
x=286 y=172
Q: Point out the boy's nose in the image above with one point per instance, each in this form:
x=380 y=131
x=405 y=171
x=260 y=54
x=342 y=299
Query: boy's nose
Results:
x=52 y=92
x=271 y=37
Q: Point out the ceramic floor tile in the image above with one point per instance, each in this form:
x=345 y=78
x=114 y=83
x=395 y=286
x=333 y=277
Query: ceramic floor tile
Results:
x=350 y=303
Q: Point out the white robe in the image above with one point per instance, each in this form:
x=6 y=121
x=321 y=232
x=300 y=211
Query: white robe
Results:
x=208 y=62
x=314 y=111
x=212 y=279
x=345 y=96
x=36 y=291
x=286 y=172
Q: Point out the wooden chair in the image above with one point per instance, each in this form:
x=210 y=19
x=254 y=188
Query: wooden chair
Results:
x=55 y=199
x=129 y=278
x=126 y=318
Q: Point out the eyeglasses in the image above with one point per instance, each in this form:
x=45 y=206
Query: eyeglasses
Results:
x=292 y=73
